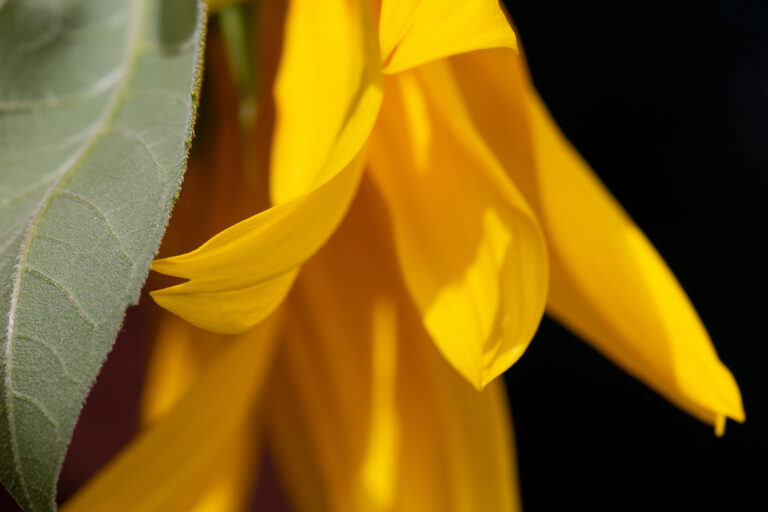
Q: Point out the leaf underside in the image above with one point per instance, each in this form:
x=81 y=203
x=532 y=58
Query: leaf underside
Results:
x=97 y=101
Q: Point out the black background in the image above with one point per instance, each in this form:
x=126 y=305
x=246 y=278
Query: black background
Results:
x=668 y=101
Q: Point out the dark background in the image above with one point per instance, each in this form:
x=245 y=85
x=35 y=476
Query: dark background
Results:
x=668 y=101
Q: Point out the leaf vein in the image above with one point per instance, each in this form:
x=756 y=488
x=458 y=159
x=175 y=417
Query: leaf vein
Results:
x=71 y=140
x=59 y=241
x=136 y=138
x=45 y=38
x=130 y=56
x=63 y=289
x=55 y=353
x=43 y=410
x=103 y=218
x=13 y=238
x=44 y=180
x=112 y=22
x=103 y=85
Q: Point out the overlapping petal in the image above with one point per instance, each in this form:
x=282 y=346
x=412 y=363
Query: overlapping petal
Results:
x=180 y=355
x=470 y=249
x=323 y=120
x=364 y=413
x=608 y=282
x=326 y=92
x=414 y=32
x=189 y=449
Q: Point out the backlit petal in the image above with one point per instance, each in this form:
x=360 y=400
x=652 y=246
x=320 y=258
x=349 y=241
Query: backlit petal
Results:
x=175 y=464
x=230 y=487
x=329 y=71
x=240 y=275
x=608 y=283
x=363 y=412
x=470 y=249
x=180 y=353
x=413 y=32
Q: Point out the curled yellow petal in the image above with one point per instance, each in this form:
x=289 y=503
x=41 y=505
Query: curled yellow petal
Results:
x=329 y=69
x=414 y=32
x=230 y=311
x=363 y=412
x=470 y=249
x=614 y=289
x=608 y=283
x=240 y=275
x=170 y=466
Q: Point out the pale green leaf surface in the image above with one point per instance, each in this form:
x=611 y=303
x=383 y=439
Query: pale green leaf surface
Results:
x=97 y=101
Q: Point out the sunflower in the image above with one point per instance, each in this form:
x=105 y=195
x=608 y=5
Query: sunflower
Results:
x=424 y=211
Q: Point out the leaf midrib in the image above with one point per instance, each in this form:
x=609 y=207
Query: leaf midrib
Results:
x=67 y=171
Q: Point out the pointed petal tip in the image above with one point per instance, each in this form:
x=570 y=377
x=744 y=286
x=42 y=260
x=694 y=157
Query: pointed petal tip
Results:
x=730 y=403
x=157 y=295
x=163 y=265
x=177 y=265
x=736 y=410
x=474 y=379
x=480 y=385
x=721 y=420
x=480 y=376
x=474 y=376
x=488 y=376
x=170 y=300
x=483 y=378
x=720 y=426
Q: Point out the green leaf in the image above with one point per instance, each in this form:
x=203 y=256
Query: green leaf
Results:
x=97 y=101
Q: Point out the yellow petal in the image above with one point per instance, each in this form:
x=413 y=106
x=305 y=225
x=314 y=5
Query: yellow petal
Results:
x=413 y=32
x=327 y=93
x=170 y=466
x=608 y=283
x=230 y=487
x=226 y=178
x=178 y=357
x=240 y=275
x=363 y=412
x=470 y=249
x=231 y=311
